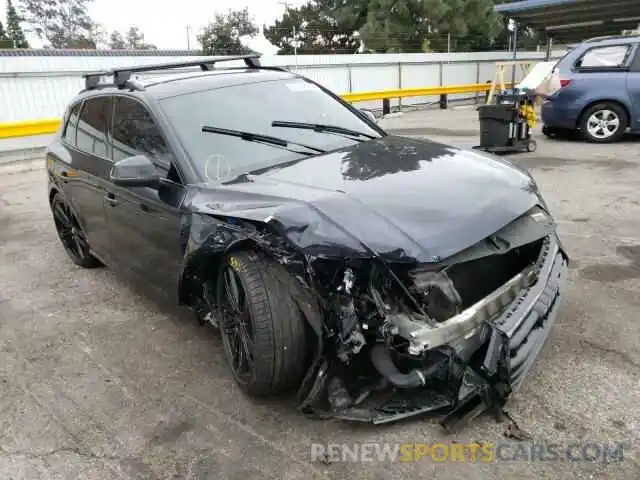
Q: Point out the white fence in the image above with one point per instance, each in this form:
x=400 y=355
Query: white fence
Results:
x=36 y=87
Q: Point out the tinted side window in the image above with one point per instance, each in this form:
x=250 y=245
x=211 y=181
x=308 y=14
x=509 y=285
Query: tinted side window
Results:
x=92 y=126
x=70 y=128
x=135 y=132
x=604 y=57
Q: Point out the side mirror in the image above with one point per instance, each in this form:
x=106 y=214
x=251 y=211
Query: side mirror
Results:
x=369 y=114
x=136 y=171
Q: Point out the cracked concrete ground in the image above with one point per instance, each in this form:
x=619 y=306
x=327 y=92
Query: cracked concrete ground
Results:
x=101 y=380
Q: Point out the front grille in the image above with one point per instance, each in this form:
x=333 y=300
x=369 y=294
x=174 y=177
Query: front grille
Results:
x=475 y=279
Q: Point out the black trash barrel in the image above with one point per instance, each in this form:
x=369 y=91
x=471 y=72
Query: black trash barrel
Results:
x=495 y=124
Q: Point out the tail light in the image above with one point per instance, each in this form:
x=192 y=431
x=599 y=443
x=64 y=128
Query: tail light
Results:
x=564 y=82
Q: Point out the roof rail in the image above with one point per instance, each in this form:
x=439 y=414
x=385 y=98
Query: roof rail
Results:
x=122 y=76
x=612 y=37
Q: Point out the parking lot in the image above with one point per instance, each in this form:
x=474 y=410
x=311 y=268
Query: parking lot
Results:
x=100 y=380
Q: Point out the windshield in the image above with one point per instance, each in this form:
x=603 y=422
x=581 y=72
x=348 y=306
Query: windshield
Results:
x=254 y=108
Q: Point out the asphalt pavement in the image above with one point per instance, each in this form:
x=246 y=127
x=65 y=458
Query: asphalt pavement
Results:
x=99 y=379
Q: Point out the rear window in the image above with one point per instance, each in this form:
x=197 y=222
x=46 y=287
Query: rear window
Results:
x=604 y=57
x=70 y=128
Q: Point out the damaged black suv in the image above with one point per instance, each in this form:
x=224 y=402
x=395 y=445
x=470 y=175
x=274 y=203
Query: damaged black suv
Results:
x=380 y=276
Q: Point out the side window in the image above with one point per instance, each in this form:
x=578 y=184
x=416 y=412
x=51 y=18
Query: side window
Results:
x=92 y=126
x=604 y=57
x=69 y=133
x=135 y=132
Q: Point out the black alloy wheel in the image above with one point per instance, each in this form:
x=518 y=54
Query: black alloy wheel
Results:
x=262 y=328
x=71 y=234
x=236 y=326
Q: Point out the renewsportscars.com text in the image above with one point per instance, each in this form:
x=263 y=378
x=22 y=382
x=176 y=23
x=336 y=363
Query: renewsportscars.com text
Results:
x=469 y=452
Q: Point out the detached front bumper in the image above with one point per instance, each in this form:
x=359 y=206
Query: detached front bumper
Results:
x=515 y=340
x=503 y=352
x=524 y=329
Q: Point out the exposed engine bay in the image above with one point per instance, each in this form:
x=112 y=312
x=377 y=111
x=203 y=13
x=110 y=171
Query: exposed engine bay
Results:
x=419 y=328
x=397 y=338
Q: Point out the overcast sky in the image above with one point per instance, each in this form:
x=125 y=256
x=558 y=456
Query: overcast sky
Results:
x=164 y=23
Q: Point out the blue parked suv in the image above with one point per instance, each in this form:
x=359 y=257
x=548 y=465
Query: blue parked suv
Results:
x=599 y=92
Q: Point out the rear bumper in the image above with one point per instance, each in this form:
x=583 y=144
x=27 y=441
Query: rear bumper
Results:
x=555 y=115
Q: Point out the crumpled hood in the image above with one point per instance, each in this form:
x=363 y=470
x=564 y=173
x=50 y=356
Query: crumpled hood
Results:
x=395 y=196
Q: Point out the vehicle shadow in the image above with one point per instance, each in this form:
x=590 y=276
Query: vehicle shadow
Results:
x=205 y=342
x=203 y=346
x=575 y=137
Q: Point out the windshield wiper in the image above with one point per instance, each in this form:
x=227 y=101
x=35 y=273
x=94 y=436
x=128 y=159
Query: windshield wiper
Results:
x=319 y=127
x=259 y=138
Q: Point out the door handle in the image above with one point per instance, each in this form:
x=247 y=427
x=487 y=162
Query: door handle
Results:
x=111 y=199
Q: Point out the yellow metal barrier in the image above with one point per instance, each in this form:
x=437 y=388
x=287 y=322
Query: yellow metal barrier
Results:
x=415 y=92
x=48 y=126
x=29 y=128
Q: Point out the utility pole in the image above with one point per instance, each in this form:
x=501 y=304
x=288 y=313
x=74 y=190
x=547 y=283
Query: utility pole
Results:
x=295 y=41
x=188 y=37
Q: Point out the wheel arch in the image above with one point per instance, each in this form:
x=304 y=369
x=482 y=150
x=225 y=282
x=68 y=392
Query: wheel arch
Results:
x=56 y=190
x=618 y=102
x=205 y=263
x=53 y=191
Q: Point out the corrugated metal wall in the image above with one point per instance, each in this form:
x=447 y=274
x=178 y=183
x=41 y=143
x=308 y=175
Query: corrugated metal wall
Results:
x=39 y=86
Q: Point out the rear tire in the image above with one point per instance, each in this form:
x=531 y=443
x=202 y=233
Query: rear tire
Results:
x=604 y=122
x=71 y=234
x=267 y=331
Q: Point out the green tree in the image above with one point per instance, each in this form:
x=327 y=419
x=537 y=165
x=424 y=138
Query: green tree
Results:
x=135 y=40
x=222 y=36
x=309 y=30
x=394 y=26
x=4 y=40
x=14 y=29
x=463 y=25
x=63 y=23
x=116 y=41
x=338 y=26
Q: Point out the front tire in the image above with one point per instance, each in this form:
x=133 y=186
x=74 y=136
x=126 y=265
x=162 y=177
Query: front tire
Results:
x=263 y=331
x=71 y=234
x=604 y=123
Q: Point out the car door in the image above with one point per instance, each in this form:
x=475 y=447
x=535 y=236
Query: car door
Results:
x=85 y=177
x=633 y=88
x=145 y=223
